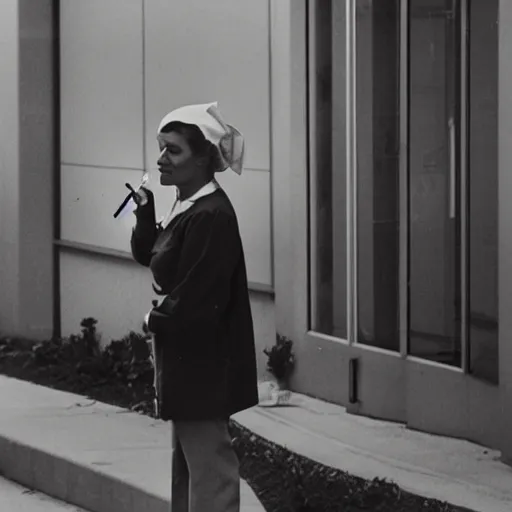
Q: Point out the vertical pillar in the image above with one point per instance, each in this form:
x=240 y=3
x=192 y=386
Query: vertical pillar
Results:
x=289 y=164
x=9 y=164
x=27 y=164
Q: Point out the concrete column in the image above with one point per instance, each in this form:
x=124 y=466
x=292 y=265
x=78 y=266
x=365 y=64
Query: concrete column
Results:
x=27 y=163
x=505 y=217
x=289 y=165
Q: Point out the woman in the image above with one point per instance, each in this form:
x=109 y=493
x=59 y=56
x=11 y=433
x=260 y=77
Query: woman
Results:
x=205 y=362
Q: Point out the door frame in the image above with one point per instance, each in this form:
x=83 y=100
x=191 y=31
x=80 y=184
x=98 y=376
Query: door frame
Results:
x=382 y=395
x=376 y=382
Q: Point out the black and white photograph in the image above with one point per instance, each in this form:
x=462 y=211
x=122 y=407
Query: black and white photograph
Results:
x=255 y=255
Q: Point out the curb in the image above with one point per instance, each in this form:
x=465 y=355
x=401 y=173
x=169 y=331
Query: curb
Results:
x=73 y=483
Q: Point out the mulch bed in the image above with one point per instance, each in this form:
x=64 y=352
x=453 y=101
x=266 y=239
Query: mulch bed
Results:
x=283 y=481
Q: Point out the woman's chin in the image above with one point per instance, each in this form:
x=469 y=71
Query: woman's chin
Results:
x=166 y=180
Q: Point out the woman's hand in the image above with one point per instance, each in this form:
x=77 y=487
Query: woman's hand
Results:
x=142 y=196
x=145 y=325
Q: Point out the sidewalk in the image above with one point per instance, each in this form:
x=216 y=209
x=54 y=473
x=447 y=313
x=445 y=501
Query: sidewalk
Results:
x=446 y=469
x=95 y=456
x=105 y=459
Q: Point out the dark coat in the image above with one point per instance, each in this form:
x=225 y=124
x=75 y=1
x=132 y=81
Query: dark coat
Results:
x=203 y=327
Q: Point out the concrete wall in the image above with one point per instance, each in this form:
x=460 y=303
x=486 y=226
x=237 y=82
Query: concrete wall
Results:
x=27 y=163
x=9 y=165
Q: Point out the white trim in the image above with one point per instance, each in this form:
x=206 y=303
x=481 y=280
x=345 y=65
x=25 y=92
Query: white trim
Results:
x=144 y=118
x=98 y=166
x=377 y=350
x=436 y=364
x=327 y=337
x=270 y=145
x=351 y=169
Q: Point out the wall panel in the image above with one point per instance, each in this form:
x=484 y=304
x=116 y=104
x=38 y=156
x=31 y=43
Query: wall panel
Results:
x=91 y=195
x=102 y=83
x=118 y=294
x=118 y=82
x=250 y=195
x=198 y=52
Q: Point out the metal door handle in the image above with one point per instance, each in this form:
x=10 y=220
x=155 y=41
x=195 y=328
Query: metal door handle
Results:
x=453 y=163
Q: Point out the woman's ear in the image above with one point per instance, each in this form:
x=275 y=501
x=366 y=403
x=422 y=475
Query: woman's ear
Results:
x=206 y=159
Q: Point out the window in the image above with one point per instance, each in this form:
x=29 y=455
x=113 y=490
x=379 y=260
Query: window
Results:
x=377 y=55
x=404 y=179
x=328 y=186
x=434 y=175
x=483 y=189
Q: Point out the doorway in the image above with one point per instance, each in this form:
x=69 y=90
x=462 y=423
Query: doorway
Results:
x=397 y=250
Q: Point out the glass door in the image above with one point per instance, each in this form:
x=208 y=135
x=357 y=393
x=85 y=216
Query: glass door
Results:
x=450 y=244
x=355 y=161
x=436 y=220
x=403 y=215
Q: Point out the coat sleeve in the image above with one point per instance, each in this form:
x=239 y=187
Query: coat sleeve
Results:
x=210 y=252
x=144 y=233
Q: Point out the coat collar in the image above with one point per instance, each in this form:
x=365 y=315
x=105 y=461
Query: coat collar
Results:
x=181 y=206
x=206 y=190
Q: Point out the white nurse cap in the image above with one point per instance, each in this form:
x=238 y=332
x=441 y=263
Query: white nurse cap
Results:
x=207 y=117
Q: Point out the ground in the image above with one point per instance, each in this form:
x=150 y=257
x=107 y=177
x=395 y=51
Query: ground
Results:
x=283 y=481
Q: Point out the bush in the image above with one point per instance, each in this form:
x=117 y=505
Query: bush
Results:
x=75 y=349
x=122 y=371
x=281 y=360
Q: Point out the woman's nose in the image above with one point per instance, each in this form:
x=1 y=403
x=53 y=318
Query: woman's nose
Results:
x=162 y=159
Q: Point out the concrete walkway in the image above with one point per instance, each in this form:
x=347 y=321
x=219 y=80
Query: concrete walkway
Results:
x=105 y=459
x=451 y=470
x=95 y=456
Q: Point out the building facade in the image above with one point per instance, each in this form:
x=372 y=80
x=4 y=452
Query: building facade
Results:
x=373 y=206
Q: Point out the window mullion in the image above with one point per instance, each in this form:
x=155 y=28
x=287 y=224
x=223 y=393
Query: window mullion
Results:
x=404 y=177
x=464 y=250
x=351 y=166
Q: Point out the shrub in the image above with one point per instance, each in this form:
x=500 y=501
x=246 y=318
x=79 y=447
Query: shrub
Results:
x=129 y=359
x=281 y=360
x=78 y=363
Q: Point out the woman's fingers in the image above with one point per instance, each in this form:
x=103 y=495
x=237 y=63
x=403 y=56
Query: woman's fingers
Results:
x=139 y=196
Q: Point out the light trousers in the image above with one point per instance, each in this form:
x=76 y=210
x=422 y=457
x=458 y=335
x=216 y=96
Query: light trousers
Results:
x=205 y=468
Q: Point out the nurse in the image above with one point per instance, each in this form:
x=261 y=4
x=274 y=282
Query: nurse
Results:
x=205 y=363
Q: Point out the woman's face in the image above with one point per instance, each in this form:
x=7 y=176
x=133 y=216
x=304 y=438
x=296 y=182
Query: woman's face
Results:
x=177 y=164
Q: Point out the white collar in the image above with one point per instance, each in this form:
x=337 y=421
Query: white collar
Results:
x=205 y=190
x=181 y=206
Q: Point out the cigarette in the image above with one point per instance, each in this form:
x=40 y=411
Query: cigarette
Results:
x=132 y=193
